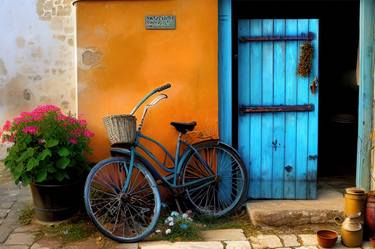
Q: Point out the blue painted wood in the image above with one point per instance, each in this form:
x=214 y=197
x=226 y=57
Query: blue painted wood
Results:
x=302 y=126
x=275 y=146
x=290 y=118
x=255 y=120
x=267 y=119
x=225 y=70
x=312 y=165
x=366 y=93
x=278 y=146
x=244 y=95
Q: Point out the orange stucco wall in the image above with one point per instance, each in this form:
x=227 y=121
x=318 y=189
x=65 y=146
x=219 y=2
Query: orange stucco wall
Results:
x=120 y=61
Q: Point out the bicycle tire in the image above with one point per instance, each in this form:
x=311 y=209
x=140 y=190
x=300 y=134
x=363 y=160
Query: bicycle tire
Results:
x=191 y=168
x=109 y=176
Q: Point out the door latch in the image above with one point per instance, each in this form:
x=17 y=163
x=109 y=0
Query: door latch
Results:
x=313 y=157
x=314 y=85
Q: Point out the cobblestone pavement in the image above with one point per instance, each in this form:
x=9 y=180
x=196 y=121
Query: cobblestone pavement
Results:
x=26 y=237
x=12 y=200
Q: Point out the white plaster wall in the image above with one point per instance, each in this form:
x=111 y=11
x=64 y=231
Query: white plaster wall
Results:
x=37 y=56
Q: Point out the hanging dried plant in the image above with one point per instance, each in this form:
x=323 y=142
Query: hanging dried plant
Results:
x=305 y=59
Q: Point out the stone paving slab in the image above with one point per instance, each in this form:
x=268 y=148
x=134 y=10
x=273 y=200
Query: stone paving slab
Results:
x=289 y=240
x=224 y=234
x=266 y=241
x=20 y=239
x=14 y=247
x=47 y=244
x=308 y=239
x=90 y=243
x=183 y=245
x=237 y=245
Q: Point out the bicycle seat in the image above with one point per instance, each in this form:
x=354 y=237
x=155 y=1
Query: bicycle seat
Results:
x=184 y=127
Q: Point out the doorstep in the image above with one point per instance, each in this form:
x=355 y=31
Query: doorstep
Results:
x=329 y=204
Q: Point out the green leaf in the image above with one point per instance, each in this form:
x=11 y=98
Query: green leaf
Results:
x=41 y=175
x=62 y=163
x=59 y=176
x=26 y=155
x=32 y=163
x=45 y=153
x=50 y=168
x=52 y=143
x=63 y=152
x=26 y=180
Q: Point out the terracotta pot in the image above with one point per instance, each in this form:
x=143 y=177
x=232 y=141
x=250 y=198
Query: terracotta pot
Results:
x=326 y=238
x=370 y=215
x=355 y=199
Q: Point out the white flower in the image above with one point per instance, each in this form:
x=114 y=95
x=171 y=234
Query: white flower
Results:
x=171 y=224
x=170 y=219
x=175 y=214
x=158 y=231
x=168 y=231
x=185 y=216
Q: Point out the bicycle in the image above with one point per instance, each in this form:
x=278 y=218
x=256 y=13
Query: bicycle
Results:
x=121 y=193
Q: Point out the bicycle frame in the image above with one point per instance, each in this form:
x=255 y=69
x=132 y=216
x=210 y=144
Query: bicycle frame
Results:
x=178 y=161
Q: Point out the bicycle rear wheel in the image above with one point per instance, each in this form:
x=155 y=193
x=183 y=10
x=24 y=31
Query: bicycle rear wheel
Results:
x=229 y=187
x=127 y=216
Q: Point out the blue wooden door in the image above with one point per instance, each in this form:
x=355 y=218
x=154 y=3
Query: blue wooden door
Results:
x=278 y=109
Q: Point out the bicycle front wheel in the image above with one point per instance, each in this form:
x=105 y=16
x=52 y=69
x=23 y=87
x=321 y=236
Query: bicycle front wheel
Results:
x=124 y=216
x=228 y=188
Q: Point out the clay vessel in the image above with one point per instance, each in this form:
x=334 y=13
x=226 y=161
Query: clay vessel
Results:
x=326 y=238
x=355 y=199
x=370 y=214
x=351 y=230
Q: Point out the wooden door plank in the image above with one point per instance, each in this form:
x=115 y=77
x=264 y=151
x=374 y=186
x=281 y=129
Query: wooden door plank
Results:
x=267 y=119
x=255 y=120
x=244 y=98
x=291 y=57
x=366 y=93
x=312 y=165
x=302 y=126
x=278 y=146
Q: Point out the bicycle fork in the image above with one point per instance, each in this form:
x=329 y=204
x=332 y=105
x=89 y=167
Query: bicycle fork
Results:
x=129 y=170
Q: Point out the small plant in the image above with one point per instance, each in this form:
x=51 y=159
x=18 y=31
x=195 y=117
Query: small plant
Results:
x=180 y=227
x=46 y=146
x=26 y=216
x=69 y=231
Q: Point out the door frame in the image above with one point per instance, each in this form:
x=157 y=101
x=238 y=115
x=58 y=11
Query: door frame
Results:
x=366 y=86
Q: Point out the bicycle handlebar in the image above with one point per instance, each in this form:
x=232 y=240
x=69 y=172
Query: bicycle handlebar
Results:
x=162 y=88
x=159 y=89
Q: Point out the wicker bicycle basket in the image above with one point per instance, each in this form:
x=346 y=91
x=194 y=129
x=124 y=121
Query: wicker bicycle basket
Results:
x=121 y=129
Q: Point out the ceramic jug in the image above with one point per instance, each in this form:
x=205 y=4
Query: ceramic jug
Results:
x=355 y=200
x=351 y=230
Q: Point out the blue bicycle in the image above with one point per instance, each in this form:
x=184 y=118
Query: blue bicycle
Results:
x=121 y=193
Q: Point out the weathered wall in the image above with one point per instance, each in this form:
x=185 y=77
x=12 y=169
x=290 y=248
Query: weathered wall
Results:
x=119 y=61
x=37 y=56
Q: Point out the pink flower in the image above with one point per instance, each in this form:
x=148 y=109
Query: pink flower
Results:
x=73 y=140
x=76 y=132
x=30 y=130
x=88 y=133
x=7 y=125
x=82 y=122
x=46 y=108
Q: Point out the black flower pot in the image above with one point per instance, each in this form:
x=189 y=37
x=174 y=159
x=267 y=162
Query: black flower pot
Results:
x=56 y=202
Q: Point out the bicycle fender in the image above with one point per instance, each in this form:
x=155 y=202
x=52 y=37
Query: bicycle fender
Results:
x=144 y=161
